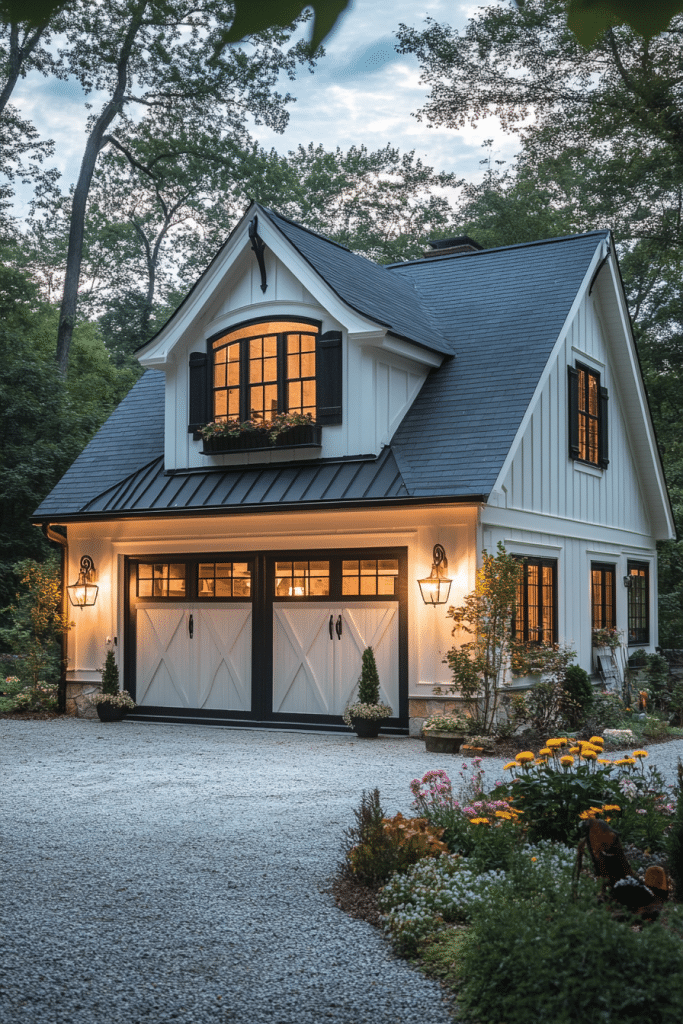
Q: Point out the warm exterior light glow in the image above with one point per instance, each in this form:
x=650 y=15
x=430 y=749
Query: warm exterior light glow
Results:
x=83 y=592
x=436 y=587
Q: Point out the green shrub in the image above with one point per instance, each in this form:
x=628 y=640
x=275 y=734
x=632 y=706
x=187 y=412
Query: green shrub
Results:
x=37 y=621
x=674 y=843
x=368 y=684
x=110 y=674
x=524 y=962
x=607 y=712
x=579 y=690
x=41 y=697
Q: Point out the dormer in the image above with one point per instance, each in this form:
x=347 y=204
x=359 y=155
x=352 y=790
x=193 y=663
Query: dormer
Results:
x=284 y=321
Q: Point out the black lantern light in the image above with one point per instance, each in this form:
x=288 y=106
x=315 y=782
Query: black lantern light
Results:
x=436 y=588
x=84 y=592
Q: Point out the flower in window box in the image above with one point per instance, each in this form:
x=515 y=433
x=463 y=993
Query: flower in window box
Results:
x=607 y=638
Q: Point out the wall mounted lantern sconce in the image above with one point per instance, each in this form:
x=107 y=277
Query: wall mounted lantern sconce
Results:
x=628 y=581
x=84 y=592
x=436 y=588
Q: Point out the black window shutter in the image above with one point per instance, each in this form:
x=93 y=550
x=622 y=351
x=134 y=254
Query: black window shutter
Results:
x=199 y=396
x=573 y=404
x=603 y=445
x=329 y=378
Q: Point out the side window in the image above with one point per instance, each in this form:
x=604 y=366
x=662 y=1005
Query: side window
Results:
x=603 y=596
x=535 y=619
x=638 y=603
x=588 y=406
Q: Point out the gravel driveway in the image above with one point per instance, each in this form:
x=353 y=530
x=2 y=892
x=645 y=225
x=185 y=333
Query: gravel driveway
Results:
x=157 y=873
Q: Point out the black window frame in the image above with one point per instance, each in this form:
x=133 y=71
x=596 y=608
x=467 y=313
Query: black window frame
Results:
x=600 y=621
x=245 y=384
x=539 y=639
x=577 y=451
x=638 y=635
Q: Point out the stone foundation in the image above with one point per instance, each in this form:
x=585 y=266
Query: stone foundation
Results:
x=422 y=708
x=78 y=699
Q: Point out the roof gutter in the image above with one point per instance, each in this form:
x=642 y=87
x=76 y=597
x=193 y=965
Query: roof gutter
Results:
x=274 y=508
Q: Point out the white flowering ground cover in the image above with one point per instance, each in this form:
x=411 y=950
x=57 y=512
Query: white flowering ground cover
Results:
x=437 y=892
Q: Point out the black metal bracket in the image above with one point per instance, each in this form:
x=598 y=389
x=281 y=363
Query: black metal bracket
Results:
x=259 y=247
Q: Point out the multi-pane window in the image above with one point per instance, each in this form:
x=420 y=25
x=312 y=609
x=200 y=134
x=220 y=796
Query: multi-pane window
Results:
x=588 y=401
x=265 y=369
x=589 y=405
x=603 y=596
x=161 y=579
x=223 y=579
x=369 y=576
x=302 y=579
x=639 y=603
x=535 y=618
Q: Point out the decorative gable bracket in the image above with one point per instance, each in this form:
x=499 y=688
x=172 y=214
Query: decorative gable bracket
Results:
x=259 y=247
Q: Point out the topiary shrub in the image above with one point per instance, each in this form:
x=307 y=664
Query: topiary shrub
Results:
x=110 y=674
x=368 y=684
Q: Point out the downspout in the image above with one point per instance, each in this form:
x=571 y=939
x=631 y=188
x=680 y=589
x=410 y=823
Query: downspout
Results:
x=52 y=534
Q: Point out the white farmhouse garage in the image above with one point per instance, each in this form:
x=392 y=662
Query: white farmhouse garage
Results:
x=470 y=397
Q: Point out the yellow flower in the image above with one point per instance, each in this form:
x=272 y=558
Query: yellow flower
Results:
x=589 y=755
x=640 y=753
x=611 y=807
x=534 y=858
x=541 y=760
x=510 y=764
x=626 y=760
x=479 y=821
x=555 y=743
x=604 y=760
x=575 y=750
x=588 y=814
x=597 y=739
x=504 y=814
x=545 y=752
x=567 y=761
x=524 y=756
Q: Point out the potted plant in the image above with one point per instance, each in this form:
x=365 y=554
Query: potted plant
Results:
x=285 y=430
x=112 y=704
x=444 y=734
x=365 y=716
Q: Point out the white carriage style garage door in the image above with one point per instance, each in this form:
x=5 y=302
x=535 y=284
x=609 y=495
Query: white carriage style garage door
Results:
x=277 y=637
x=189 y=654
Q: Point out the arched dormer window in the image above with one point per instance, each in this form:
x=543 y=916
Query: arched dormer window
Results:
x=265 y=367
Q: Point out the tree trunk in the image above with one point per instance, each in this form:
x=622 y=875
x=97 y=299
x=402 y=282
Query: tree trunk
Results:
x=67 y=315
x=16 y=57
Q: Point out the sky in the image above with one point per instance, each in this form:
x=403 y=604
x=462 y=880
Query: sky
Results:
x=362 y=92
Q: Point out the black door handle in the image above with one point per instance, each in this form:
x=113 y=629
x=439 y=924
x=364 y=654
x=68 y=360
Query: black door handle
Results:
x=339 y=627
x=331 y=627
x=191 y=624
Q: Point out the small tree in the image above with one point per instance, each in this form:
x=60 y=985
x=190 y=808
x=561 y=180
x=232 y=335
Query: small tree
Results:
x=480 y=665
x=368 y=684
x=37 y=621
x=110 y=674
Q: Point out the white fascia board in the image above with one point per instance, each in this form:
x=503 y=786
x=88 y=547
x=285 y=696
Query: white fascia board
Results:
x=626 y=372
x=170 y=335
x=415 y=353
x=557 y=526
x=578 y=299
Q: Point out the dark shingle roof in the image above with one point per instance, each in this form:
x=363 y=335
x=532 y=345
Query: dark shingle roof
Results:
x=365 y=286
x=503 y=309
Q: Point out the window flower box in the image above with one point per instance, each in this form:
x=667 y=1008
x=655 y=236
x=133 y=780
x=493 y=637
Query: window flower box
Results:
x=286 y=430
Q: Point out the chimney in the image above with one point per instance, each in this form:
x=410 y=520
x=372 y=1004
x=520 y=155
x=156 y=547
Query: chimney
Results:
x=451 y=246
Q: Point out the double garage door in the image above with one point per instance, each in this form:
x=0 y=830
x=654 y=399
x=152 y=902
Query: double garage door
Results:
x=268 y=637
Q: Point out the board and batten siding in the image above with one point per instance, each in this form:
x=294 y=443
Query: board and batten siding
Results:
x=548 y=505
x=542 y=478
x=378 y=386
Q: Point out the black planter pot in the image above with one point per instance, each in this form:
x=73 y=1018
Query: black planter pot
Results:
x=109 y=713
x=366 y=728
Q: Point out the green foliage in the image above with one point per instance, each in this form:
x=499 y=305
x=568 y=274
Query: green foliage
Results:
x=551 y=798
x=37 y=623
x=374 y=865
x=110 y=674
x=579 y=690
x=674 y=843
x=479 y=665
x=528 y=961
x=607 y=712
x=11 y=686
x=41 y=697
x=368 y=683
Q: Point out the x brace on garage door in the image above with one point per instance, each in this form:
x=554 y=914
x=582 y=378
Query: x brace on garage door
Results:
x=268 y=638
